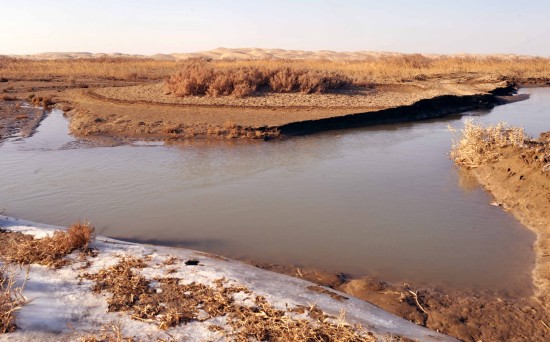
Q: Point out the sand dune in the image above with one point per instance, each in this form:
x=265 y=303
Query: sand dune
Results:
x=253 y=53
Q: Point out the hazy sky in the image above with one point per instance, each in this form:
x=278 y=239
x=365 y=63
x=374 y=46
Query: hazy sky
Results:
x=165 y=26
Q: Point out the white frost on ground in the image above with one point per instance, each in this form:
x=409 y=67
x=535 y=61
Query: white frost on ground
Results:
x=63 y=306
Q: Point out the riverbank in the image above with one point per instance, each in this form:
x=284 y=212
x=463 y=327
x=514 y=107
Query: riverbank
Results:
x=516 y=171
x=180 y=294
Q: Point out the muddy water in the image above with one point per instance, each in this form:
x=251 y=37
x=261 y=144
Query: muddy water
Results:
x=384 y=201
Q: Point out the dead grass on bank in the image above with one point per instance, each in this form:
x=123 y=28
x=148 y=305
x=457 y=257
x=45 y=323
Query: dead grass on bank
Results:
x=49 y=251
x=167 y=303
x=377 y=70
x=11 y=300
x=480 y=144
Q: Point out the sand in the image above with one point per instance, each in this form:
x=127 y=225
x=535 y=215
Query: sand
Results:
x=222 y=53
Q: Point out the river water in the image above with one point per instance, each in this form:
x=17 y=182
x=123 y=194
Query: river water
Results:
x=383 y=201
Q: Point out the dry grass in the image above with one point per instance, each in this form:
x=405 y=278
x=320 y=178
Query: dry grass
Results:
x=132 y=69
x=478 y=144
x=50 y=251
x=172 y=303
x=11 y=300
x=204 y=78
x=361 y=72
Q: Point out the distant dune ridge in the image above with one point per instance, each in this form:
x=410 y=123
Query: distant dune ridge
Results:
x=251 y=54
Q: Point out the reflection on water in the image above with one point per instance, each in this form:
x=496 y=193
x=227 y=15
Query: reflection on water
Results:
x=466 y=180
x=382 y=200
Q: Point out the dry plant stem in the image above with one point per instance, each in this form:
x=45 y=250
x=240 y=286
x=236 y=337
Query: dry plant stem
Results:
x=11 y=299
x=415 y=297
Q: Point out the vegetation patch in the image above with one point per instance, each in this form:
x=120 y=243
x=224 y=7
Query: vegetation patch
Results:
x=167 y=302
x=479 y=145
x=50 y=251
x=203 y=78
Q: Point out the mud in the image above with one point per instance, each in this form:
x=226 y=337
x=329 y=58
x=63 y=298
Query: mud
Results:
x=18 y=119
x=467 y=315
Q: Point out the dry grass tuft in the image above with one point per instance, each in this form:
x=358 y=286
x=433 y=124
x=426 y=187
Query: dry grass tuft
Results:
x=479 y=145
x=125 y=285
x=50 y=251
x=166 y=302
x=11 y=300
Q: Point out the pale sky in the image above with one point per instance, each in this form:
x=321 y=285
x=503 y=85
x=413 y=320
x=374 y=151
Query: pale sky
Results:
x=167 y=26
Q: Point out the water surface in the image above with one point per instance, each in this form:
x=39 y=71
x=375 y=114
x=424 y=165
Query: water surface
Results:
x=383 y=201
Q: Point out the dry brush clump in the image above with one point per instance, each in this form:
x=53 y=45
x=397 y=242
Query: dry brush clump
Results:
x=205 y=78
x=480 y=144
x=167 y=302
x=11 y=300
x=50 y=251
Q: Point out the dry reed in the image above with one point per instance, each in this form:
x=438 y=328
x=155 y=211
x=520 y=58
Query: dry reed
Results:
x=378 y=70
x=479 y=145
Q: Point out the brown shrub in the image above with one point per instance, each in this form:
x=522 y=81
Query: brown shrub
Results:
x=202 y=78
x=50 y=251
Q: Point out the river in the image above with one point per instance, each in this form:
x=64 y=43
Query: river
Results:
x=384 y=201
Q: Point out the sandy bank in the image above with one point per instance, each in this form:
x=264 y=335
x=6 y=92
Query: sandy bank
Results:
x=520 y=182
